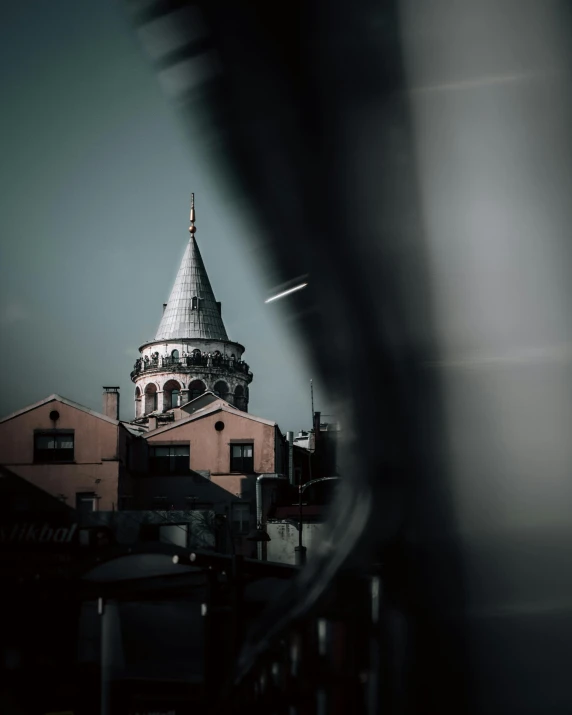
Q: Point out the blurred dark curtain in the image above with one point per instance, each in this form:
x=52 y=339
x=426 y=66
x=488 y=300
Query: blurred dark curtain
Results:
x=308 y=112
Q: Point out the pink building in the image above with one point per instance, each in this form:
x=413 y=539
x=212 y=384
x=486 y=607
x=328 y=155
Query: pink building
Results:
x=69 y=451
x=218 y=439
x=209 y=457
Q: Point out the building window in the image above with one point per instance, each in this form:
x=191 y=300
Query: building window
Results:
x=171 y=459
x=175 y=354
x=194 y=303
x=54 y=447
x=221 y=389
x=150 y=398
x=240 y=518
x=242 y=458
x=196 y=388
x=85 y=502
x=239 y=400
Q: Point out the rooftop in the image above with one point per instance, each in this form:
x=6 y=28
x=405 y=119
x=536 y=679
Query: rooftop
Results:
x=192 y=310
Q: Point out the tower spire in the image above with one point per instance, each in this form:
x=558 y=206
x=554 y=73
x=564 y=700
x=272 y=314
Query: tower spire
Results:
x=192 y=227
x=197 y=354
x=192 y=311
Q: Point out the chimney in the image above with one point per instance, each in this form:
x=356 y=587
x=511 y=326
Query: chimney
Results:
x=164 y=306
x=290 y=443
x=219 y=307
x=111 y=402
x=317 y=420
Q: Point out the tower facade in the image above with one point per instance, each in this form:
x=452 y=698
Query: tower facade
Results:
x=191 y=352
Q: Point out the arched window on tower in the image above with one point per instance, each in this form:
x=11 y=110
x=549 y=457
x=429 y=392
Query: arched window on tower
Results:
x=239 y=400
x=138 y=406
x=171 y=394
x=175 y=355
x=150 y=398
x=196 y=388
x=194 y=303
x=221 y=389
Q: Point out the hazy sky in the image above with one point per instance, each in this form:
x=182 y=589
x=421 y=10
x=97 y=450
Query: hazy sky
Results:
x=95 y=182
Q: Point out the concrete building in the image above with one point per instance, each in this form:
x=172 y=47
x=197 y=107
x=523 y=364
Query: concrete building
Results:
x=191 y=351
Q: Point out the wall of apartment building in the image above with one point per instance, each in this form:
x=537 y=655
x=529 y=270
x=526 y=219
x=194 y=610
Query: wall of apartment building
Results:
x=95 y=467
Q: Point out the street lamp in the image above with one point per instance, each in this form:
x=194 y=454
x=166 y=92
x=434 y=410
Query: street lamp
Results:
x=300 y=550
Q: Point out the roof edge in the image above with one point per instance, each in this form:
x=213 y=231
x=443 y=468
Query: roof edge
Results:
x=205 y=412
x=64 y=400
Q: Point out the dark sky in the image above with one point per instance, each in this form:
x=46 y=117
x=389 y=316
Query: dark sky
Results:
x=97 y=171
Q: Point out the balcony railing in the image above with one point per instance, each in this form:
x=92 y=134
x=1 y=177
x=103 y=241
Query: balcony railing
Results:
x=188 y=362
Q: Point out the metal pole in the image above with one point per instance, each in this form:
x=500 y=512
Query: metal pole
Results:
x=312 y=396
x=104 y=658
x=259 y=504
x=290 y=443
x=229 y=534
x=237 y=594
x=300 y=490
x=300 y=550
x=111 y=657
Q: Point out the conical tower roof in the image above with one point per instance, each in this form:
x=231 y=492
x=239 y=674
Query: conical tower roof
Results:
x=192 y=311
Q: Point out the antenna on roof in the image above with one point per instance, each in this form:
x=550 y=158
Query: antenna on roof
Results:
x=192 y=227
x=312 y=398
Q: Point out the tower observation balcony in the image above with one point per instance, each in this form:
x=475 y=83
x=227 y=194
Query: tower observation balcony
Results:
x=216 y=364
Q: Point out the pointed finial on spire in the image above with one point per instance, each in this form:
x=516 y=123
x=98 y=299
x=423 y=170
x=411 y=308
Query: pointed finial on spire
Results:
x=192 y=227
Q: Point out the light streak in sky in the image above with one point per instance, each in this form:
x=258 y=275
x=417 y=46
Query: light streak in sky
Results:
x=286 y=292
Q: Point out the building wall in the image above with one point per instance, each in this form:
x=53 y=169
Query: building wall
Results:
x=199 y=527
x=178 y=490
x=68 y=480
x=209 y=377
x=210 y=454
x=281 y=451
x=95 y=453
x=210 y=449
x=284 y=539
